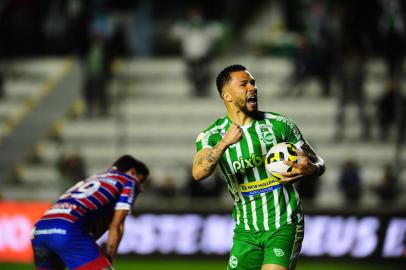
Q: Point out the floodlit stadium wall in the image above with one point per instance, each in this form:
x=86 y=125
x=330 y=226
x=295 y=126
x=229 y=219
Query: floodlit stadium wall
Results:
x=328 y=235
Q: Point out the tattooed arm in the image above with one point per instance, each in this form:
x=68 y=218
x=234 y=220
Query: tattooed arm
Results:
x=205 y=160
x=315 y=159
x=310 y=164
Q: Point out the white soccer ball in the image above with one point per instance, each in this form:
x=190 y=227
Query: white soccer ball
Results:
x=274 y=160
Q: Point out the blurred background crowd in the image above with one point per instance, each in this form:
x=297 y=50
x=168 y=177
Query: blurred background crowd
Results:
x=146 y=86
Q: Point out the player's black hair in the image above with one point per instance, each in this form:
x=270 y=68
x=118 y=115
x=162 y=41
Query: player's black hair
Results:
x=127 y=162
x=224 y=76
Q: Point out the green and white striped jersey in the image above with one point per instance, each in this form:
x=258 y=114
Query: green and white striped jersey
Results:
x=260 y=203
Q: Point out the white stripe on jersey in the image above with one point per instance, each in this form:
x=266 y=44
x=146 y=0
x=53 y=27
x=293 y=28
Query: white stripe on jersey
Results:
x=277 y=209
x=288 y=207
x=264 y=202
x=268 y=122
x=275 y=192
x=256 y=174
x=244 y=206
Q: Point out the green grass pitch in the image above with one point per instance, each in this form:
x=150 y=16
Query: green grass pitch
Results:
x=219 y=264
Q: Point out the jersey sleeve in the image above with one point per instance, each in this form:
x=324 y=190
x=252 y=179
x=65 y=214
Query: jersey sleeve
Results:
x=207 y=139
x=287 y=131
x=127 y=196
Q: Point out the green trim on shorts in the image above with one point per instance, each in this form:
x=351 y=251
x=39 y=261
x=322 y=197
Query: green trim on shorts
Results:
x=252 y=249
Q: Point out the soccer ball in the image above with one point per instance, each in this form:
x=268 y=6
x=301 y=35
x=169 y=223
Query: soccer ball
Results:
x=274 y=160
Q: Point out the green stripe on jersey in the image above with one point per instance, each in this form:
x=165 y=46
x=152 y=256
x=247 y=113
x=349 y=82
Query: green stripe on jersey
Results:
x=243 y=163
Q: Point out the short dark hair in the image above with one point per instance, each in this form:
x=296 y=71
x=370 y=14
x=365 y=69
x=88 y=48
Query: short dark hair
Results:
x=224 y=76
x=127 y=162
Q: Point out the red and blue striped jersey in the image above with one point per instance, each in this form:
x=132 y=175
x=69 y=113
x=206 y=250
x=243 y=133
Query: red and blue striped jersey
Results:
x=94 y=200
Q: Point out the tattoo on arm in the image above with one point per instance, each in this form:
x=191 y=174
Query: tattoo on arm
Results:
x=314 y=158
x=308 y=151
x=208 y=160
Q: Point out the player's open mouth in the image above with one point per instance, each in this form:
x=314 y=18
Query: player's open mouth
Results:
x=252 y=99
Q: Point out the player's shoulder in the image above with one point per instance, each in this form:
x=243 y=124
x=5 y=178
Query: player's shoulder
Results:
x=273 y=116
x=216 y=126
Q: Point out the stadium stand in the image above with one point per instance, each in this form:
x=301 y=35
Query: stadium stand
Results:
x=156 y=118
x=36 y=96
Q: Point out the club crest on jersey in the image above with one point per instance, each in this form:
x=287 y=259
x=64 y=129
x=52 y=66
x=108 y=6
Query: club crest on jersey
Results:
x=266 y=134
x=233 y=262
x=278 y=252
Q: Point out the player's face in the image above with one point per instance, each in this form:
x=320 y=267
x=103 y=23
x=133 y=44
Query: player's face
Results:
x=142 y=178
x=243 y=91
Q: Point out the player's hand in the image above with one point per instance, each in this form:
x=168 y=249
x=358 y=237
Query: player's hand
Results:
x=233 y=135
x=302 y=168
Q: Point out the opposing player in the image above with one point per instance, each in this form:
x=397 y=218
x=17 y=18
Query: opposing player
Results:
x=66 y=234
x=269 y=221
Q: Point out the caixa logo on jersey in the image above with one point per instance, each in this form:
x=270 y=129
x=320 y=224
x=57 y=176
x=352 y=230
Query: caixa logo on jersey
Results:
x=249 y=163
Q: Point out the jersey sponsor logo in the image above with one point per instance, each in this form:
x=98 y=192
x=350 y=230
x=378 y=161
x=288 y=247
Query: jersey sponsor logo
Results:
x=233 y=262
x=58 y=211
x=244 y=164
x=64 y=205
x=50 y=231
x=278 y=252
x=261 y=186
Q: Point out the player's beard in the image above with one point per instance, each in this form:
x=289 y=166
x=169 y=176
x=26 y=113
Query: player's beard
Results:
x=250 y=112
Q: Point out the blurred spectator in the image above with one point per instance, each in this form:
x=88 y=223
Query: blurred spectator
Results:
x=308 y=63
x=390 y=110
x=77 y=21
x=144 y=27
x=351 y=76
x=392 y=32
x=198 y=38
x=350 y=181
x=55 y=27
x=386 y=190
x=313 y=56
x=122 y=21
x=98 y=71
x=72 y=169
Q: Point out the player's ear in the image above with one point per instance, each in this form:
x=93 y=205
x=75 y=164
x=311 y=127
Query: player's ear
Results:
x=132 y=172
x=227 y=95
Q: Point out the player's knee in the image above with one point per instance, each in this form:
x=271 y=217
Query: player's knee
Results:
x=273 y=267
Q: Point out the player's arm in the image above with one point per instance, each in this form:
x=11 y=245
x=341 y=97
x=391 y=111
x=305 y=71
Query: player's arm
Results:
x=115 y=234
x=205 y=160
x=310 y=164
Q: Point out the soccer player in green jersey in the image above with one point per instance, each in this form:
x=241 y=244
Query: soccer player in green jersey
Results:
x=269 y=221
